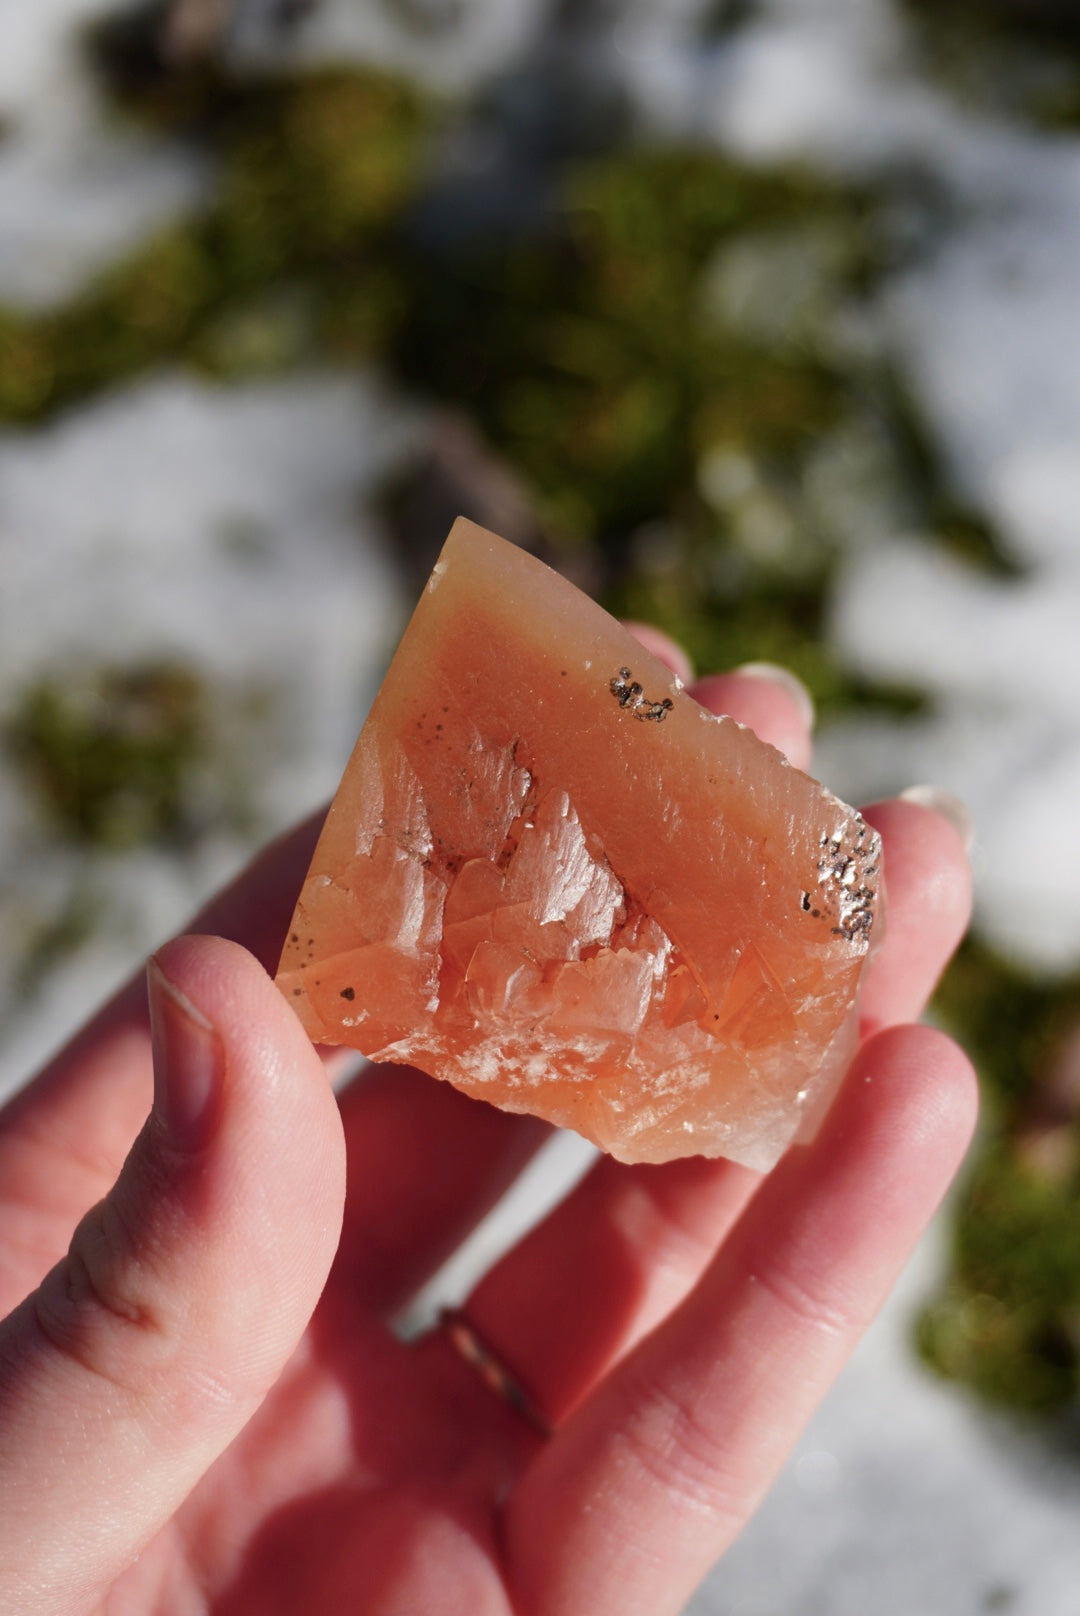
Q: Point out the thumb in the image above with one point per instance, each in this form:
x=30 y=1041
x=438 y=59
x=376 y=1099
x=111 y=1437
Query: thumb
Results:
x=147 y=1349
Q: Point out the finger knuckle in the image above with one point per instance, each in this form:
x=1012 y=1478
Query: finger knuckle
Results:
x=101 y=1306
x=669 y=1440
x=813 y=1305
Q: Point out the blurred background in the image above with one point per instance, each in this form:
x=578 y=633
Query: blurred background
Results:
x=756 y=317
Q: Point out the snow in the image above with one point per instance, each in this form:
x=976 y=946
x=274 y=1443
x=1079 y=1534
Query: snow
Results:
x=903 y=1498
x=75 y=191
x=218 y=527
x=450 y=47
x=38 y=41
x=1003 y=659
x=73 y=197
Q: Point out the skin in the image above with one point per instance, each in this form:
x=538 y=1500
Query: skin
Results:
x=202 y=1407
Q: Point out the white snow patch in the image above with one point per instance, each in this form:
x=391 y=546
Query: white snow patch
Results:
x=38 y=44
x=487 y=37
x=76 y=190
x=74 y=197
x=219 y=527
x=902 y=1497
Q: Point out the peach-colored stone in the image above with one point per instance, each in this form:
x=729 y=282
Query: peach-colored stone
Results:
x=552 y=878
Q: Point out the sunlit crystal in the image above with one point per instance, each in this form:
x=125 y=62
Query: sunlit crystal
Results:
x=552 y=878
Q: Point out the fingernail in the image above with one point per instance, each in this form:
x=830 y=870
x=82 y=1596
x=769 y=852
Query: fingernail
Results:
x=950 y=807
x=784 y=677
x=188 y=1064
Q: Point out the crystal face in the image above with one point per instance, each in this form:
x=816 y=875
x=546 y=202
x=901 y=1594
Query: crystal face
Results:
x=552 y=878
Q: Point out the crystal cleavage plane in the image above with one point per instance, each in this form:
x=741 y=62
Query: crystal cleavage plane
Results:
x=550 y=877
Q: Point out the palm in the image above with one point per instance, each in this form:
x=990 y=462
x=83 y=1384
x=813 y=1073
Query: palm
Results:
x=676 y=1324
x=369 y=1452
x=366 y=1448
x=406 y=1483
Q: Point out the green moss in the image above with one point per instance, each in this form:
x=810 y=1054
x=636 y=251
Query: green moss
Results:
x=114 y=758
x=1049 y=22
x=722 y=18
x=612 y=358
x=1012 y=1021
x=263 y=336
x=1020 y=57
x=968 y=535
x=313 y=176
x=587 y=357
x=1007 y=1320
x=613 y=364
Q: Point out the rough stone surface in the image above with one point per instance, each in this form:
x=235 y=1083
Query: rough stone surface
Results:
x=554 y=879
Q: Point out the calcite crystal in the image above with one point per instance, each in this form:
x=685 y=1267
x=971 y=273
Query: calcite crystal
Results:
x=552 y=878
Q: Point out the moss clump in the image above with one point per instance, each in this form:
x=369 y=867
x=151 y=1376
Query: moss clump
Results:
x=588 y=356
x=1020 y=57
x=1007 y=1320
x=596 y=361
x=313 y=175
x=666 y=425
x=1050 y=22
x=115 y=758
x=722 y=18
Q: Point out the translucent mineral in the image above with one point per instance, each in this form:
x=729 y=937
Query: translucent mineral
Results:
x=554 y=880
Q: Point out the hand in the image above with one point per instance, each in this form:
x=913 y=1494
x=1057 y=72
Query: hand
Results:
x=202 y=1408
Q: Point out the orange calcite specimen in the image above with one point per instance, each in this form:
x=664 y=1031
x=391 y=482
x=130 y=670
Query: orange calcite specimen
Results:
x=552 y=878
